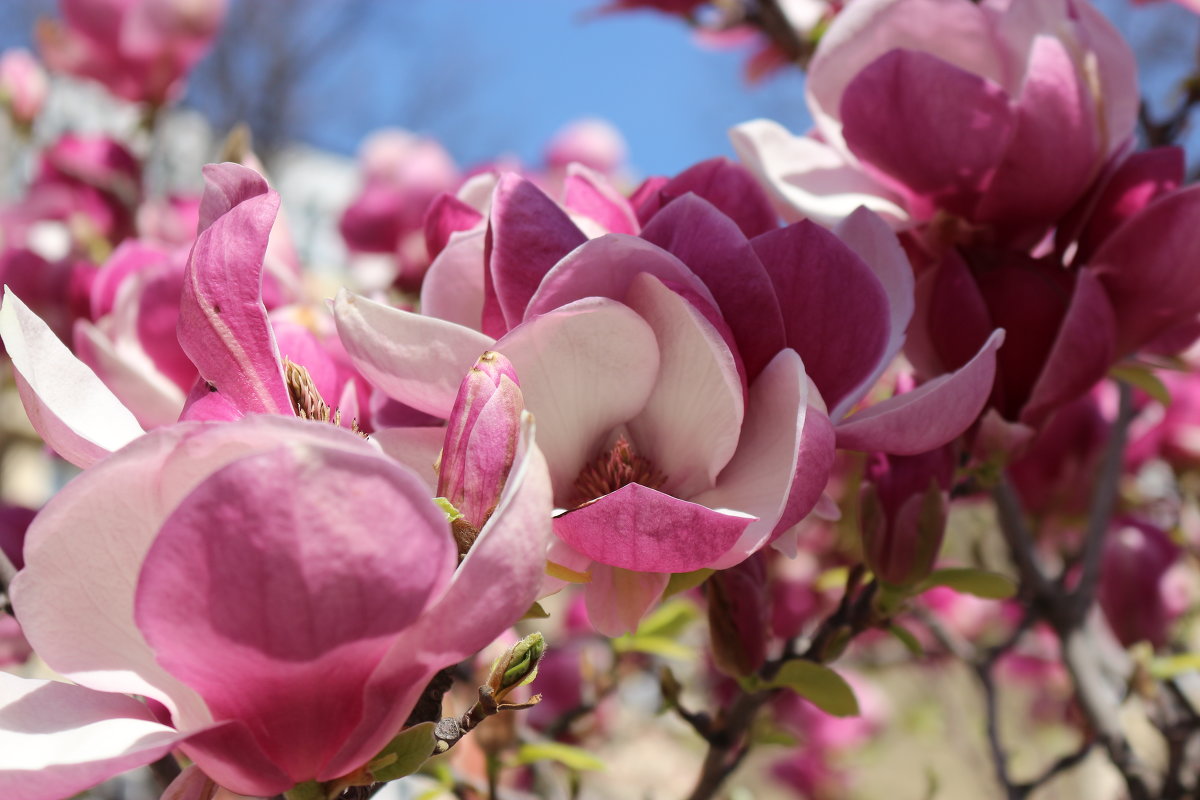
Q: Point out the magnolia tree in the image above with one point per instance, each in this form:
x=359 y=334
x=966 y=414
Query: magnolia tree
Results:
x=705 y=461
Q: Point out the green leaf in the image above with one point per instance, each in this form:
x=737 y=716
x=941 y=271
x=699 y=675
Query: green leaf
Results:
x=818 y=684
x=832 y=578
x=670 y=619
x=1139 y=376
x=403 y=755
x=682 y=581
x=309 y=790
x=654 y=646
x=907 y=638
x=981 y=583
x=1169 y=667
x=575 y=758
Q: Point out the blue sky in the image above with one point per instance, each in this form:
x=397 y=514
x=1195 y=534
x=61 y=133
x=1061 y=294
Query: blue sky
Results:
x=488 y=77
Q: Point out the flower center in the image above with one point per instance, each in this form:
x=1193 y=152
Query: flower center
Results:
x=306 y=400
x=610 y=471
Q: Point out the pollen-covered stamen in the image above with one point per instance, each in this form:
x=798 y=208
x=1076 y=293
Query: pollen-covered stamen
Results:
x=612 y=470
x=306 y=400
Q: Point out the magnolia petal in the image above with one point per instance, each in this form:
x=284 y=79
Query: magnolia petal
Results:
x=698 y=389
x=1148 y=266
x=617 y=599
x=719 y=254
x=416 y=448
x=223 y=325
x=604 y=267
x=446 y=216
x=942 y=145
x=783 y=459
x=453 y=287
x=644 y=530
x=415 y=359
x=75 y=597
x=729 y=186
x=584 y=369
x=930 y=415
x=1055 y=149
x=808 y=179
x=588 y=193
x=316 y=520
x=70 y=408
x=837 y=311
x=869 y=236
x=494 y=585
x=147 y=393
x=1083 y=351
x=528 y=235
x=57 y=739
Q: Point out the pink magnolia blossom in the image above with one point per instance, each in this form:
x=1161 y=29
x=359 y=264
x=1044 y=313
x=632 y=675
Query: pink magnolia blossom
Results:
x=23 y=85
x=681 y=426
x=1043 y=88
x=262 y=683
x=224 y=331
x=1135 y=592
x=140 y=50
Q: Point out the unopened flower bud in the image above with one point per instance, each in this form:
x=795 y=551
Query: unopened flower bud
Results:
x=481 y=443
x=516 y=667
x=23 y=86
x=904 y=506
x=737 y=616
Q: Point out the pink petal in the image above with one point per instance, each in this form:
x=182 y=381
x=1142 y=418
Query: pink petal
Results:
x=415 y=359
x=869 y=236
x=445 y=216
x=528 y=234
x=929 y=416
x=288 y=654
x=727 y=185
x=75 y=597
x=957 y=33
x=644 y=530
x=1082 y=353
x=589 y=194
x=783 y=459
x=943 y=145
x=151 y=396
x=584 y=369
x=415 y=448
x=837 y=312
x=57 y=739
x=223 y=323
x=453 y=286
x=1054 y=152
x=617 y=599
x=808 y=179
x=604 y=267
x=1148 y=267
x=716 y=250
x=494 y=585
x=698 y=389
x=69 y=407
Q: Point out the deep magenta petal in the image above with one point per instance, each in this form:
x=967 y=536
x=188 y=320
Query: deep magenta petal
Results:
x=644 y=530
x=929 y=416
x=276 y=586
x=717 y=251
x=944 y=144
x=528 y=234
x=223 y=323
x=837 y=316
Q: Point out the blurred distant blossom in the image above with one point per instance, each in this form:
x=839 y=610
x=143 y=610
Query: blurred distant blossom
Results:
x=23 y=85
x=140 y=50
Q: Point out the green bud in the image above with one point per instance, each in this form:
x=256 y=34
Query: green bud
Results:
x=518 y=666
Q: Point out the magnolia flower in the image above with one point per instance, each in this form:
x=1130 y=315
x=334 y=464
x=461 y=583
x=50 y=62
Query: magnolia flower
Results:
x=140 y=50
x=23 y=85
x=1025 y=88
x=278 y=590
x=682 y=427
